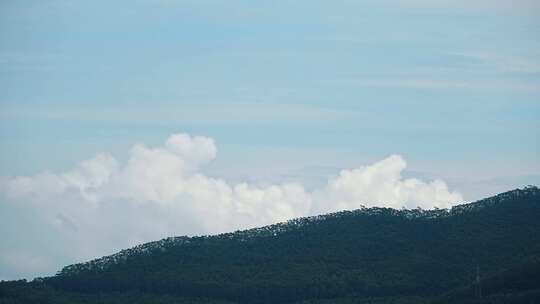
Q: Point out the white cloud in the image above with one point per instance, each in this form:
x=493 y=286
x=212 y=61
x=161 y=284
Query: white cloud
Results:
x=381 y=184
x=101 y=205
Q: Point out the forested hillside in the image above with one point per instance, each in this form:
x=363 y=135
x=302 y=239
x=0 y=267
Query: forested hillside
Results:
x=370 y=255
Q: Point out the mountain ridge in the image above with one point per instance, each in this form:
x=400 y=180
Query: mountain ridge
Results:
x=276 y=228
x=368 y=255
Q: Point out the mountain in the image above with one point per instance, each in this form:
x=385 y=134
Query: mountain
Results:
x=519 y=284
x=370 y=255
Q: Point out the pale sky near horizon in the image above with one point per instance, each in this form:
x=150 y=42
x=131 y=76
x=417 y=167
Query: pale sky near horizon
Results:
x=280 y=92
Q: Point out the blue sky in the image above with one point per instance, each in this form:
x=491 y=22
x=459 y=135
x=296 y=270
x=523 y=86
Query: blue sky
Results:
x=291 y=91
x=452 y=84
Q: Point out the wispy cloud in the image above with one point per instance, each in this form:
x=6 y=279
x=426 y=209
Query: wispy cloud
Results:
x=522 y=6
x=442 y=84
x=185 y=113
x=504 y=64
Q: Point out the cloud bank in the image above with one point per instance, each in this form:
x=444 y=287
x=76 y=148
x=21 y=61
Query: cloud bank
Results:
x=102 y=205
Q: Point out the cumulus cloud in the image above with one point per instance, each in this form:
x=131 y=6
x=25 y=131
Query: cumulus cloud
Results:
x=102 y=205
x=381 y=184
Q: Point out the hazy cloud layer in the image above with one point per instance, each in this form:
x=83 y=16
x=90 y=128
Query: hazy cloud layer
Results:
x=102 y=205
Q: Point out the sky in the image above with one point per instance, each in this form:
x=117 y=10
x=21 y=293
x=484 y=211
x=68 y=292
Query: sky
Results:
x=129 y=121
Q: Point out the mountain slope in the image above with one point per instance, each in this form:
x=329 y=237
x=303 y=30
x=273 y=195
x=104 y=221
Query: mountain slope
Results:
x=374 y=255
x=520 y=284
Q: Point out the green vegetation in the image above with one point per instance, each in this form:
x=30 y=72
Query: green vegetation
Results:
x=375 y=255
